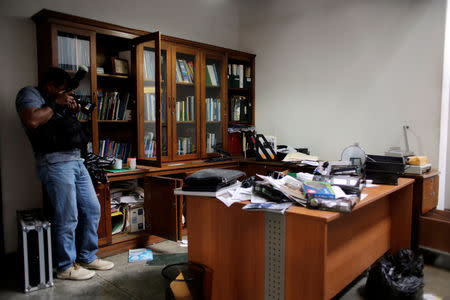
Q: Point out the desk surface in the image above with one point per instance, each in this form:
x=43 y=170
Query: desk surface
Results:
x=373 y=194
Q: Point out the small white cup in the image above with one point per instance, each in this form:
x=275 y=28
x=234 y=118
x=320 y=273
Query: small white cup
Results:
x=117 y=164
x=131 y=162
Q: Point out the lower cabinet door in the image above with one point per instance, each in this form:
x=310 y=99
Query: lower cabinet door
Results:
x=104 y=226
x=163 y=209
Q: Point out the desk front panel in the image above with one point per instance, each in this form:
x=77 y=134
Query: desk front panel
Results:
x=229 y=242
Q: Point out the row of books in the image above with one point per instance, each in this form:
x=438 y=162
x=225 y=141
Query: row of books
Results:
x=240 y=108
x=73 y=52
x=184 y=146
x=185 y=71
x=149 y=65
x=212 y=79
x=112 y=105
x=239 y=76
x=185 y=109
x=211 y=142
x=149 y=145
x=213 y=109
x=108 y=148
x=150 y=108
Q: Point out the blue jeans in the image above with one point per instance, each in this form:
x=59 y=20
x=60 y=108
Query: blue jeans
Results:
x=76 y=212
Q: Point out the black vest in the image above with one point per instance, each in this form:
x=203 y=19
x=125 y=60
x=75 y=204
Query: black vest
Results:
x=60 y=133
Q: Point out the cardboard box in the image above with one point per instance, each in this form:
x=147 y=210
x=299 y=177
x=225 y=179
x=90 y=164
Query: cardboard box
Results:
x=136 y=218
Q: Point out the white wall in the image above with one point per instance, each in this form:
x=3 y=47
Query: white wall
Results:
x=331 y=73
x=210 y=21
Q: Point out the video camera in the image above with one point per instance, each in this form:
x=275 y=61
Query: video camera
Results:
x=86 y=107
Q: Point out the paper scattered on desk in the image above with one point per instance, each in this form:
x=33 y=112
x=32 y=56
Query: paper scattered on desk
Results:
x=362 y=196
x=237 y=194
x=310 y=163
x=257 y=199
x=269 y=206
x=369 y=185
x=183 y=243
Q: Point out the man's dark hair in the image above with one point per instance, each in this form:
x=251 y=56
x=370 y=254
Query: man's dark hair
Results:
x=56 y=75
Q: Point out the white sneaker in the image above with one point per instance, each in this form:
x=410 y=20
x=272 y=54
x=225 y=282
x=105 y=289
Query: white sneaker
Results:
x=75 y=272
x=98 y=264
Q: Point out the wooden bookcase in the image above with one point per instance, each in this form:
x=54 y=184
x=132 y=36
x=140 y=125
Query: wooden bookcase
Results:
x=170 y=107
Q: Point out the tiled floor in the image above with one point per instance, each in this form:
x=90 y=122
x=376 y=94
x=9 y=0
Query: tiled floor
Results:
x=141 y=280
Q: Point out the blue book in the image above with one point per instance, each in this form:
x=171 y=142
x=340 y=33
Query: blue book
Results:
x=184 y=71
x=318 y=189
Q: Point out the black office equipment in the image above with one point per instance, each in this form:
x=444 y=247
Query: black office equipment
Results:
x=211 y=180
x=384 y=169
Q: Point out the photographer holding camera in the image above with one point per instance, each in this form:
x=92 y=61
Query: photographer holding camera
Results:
x=47 y=113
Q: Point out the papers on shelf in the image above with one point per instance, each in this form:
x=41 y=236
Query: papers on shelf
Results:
x=130 y=200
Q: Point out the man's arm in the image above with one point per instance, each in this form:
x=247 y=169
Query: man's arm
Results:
x=33 y=117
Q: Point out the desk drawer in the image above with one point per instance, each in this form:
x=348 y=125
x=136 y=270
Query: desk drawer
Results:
x=434 y=230
x=430 y=194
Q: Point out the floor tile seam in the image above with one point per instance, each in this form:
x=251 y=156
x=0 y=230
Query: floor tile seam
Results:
x=125 y=291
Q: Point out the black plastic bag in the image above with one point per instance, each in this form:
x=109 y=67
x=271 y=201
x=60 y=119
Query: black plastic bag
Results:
x=396 y=277
x=96 y=166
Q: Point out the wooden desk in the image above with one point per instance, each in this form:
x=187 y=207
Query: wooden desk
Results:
x=324 y=251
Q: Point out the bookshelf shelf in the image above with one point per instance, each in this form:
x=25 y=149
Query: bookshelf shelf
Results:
x=186 y=122
x=213 y=122
x=213 y=86
x=115 y=121
x=152 y=81
x=112 y=76
x=240 y=122
x=185 y=84
x=239 y=89
x=70 y=71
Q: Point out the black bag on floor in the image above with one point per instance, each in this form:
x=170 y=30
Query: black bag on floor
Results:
x=396 y=277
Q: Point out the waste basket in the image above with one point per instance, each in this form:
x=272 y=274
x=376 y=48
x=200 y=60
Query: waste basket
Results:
x=184 y=281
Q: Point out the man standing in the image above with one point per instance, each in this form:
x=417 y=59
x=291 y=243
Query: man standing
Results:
x=56 y=137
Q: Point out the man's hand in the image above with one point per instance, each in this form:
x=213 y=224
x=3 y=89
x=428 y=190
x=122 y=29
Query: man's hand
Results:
x=66 y=99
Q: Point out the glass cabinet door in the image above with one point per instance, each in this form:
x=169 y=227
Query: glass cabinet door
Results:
x=213 y=92
x=73 y=51
x=185 y=108
x=152 y=99
x=150 y=103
